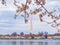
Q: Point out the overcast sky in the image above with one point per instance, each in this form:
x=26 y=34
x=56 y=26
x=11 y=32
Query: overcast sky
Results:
x=8 y=25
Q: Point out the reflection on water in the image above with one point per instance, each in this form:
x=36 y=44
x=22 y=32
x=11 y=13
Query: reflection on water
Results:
x=40 y=43
x=13 y=43
x=29 y=42
x=21 y=43
x=46 y=43
x=58 y=43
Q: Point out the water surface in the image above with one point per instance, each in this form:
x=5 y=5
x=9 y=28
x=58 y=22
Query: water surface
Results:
x=30 y=42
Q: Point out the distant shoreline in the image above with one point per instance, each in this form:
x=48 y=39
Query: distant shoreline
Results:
x=29 y=37
x=25 y=39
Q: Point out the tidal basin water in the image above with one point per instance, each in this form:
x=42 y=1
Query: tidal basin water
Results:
x=31 y=42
